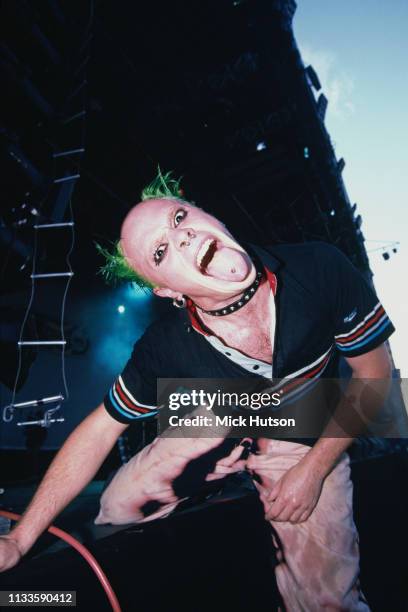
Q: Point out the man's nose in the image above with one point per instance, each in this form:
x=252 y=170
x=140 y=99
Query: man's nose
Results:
x=184 y=237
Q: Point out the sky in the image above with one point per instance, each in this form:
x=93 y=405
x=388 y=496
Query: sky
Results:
x=360 y=53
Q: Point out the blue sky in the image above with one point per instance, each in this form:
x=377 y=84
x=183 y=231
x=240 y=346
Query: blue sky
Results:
x=360 y=50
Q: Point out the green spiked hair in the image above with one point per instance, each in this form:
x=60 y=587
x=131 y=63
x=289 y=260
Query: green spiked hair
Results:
x=116 y=268
x=162 y=186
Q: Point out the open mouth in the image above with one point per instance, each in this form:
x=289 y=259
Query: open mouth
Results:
x=205 y=254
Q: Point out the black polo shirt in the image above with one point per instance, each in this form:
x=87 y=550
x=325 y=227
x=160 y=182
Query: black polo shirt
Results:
x=323 y=308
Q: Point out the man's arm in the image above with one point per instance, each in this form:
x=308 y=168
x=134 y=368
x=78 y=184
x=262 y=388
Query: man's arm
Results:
x=74 y=466
x=296 y=494
x=375 y=366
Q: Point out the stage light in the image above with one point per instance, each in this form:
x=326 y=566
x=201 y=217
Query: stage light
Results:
x=121 y=309
x=386 y=255
x=333 y=213
x=306 y=153
x=260 y=146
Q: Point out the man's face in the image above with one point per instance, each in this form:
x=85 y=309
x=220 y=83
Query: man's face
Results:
x=184 y=250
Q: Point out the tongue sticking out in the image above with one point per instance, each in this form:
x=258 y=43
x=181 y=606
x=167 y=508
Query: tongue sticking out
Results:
x=228 y=264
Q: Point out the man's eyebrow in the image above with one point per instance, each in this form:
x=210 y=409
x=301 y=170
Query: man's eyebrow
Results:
x=160 y=238
x=170 y=216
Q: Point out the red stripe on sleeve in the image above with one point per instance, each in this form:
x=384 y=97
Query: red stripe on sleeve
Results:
x=127 y=401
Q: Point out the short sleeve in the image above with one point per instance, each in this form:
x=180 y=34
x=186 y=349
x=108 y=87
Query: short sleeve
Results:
x=133 y=394
x=360 y=321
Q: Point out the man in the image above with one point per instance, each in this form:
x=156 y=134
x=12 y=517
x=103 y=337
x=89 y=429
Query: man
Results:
x=281 y=312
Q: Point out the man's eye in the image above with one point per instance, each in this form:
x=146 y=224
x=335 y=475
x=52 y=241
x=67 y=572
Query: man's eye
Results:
x=159 y=254
x=179 y=216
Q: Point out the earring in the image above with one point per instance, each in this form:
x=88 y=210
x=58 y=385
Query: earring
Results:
x=180 y=303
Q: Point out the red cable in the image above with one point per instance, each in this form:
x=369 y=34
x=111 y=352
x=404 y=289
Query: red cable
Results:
x=110 y=593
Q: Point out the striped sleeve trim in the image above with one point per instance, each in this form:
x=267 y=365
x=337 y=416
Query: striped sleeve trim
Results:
x=126 y=404
x=372 y=326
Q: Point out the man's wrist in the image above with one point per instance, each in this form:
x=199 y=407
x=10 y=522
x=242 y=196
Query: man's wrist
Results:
x=323 y=457
x=10 y=538
x=318 y=463
x=21 y=540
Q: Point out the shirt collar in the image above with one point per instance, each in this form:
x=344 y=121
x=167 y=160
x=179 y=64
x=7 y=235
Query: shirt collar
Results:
x=268 y=260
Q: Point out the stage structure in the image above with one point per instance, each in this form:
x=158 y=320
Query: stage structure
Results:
x=216 y=91
x=45 y=51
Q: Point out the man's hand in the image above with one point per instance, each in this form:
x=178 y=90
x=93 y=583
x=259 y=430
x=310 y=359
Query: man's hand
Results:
x=149 y=476
x=73 y=467
x=10 y=553
x=231 y=464
x=295 y=495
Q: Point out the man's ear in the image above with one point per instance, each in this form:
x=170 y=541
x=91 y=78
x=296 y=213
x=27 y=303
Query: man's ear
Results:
x=167 y=293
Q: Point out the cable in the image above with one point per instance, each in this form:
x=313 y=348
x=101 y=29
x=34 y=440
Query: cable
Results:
x=383 y=241
x=100 y=574
x=64 y=299
x=8 y=411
